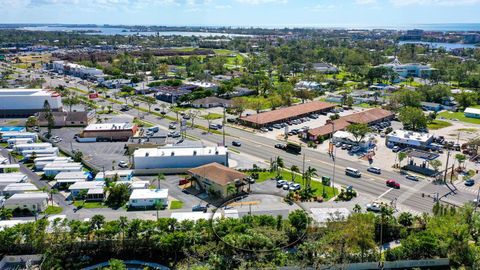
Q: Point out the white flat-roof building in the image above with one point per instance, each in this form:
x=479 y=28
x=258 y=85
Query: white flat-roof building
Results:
x=42 y=161
x=110 y=131
x=179 y=157
x=71 y=177
x=146 y=198
x=32 y=146
x=26 y=102
x=123 y=175
x=409 y=139
x=472 y=113
x=205 y=85
x=33 y=201
x=139 y=184
x=77 y=187
x=48 y=152
x=8 y=135
x=9 y=168
x=14 y=188
x=12 y=178
x=14 y=141
x=52 y=169
x=75 y=69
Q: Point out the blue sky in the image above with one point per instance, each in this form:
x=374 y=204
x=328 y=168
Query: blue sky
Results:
x=314 y=13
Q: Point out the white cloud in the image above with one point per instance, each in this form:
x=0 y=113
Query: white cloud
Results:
x=434 y=2
x=258 y=2
x=321 y=7
x=223 y=6
x=85 y=3
x=365 y=2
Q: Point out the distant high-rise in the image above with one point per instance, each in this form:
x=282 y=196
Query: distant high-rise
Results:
x=415 y=34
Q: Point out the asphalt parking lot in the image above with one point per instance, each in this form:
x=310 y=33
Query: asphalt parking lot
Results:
x=311 y=123
x=100 y=154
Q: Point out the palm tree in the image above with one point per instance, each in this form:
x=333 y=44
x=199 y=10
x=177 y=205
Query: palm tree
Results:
x=293 y=170
x=160 y=177
x=309 y=173
x=231 y=189
x=6 y=214
x=279 y=164
x=460 y=159
x=123 y=224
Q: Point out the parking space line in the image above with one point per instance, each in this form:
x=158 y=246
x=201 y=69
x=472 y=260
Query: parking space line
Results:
x=385 y=193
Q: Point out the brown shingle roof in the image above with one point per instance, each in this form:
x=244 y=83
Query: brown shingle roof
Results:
x=288 y=112
x=217 y=173
x=210 y=100
x=339 y=124
x=365 y=117
x=77 y=117
x=369 y=116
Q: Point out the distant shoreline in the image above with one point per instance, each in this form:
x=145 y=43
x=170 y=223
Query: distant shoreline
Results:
x=437 y=27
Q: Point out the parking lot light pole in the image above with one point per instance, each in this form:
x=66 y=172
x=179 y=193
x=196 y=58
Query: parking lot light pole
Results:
x=334 y=154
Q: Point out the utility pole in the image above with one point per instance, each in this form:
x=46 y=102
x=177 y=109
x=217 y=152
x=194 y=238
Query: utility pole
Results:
x=303 y=168
x=446 y=168
x=223 y=125
x=334 y=154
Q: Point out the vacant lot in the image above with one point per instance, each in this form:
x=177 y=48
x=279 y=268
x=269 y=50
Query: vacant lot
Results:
x=458 y=116
x=438 y=124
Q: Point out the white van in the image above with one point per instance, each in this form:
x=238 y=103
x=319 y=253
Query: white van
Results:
x=352 y=172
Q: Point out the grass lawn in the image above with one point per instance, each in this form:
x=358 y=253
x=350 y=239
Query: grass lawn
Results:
x=459 y=116
x=365 y=105
x=89 y=205
x=53 y=210
x=298 y=179
x=176 y=205
x=468 y=130
x=142 y=123
x=212 y=116
x=438 y=124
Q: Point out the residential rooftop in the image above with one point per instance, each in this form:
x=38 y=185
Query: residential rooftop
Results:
x=139 y=194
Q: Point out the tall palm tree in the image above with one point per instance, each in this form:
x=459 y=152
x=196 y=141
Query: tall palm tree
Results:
x=279 y=164
x=309 y=173
x=293 y=170
x=160 y=177
x=231 y=189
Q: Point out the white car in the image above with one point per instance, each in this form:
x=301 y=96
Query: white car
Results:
x=123 y=164
x=295 y=187
x=280 y=183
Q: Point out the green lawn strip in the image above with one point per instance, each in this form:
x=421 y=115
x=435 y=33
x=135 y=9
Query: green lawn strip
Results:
x=176 y=204
x=285 y=175
x=53 y=210
x=142 y=123
x=212 y=116
x=89 y=205
x=459 y=116
x=438 y=124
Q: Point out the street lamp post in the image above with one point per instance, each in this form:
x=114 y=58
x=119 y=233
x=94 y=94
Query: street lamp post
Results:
x=334 y=154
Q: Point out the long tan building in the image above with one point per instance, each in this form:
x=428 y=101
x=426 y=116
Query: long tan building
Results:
x=368 y=117
x=285 y=114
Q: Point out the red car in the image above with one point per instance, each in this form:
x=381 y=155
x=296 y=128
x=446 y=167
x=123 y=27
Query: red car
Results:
x=393 y=184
